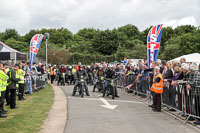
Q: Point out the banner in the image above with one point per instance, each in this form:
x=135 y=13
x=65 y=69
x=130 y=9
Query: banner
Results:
x=34 y=47
x=153 y=44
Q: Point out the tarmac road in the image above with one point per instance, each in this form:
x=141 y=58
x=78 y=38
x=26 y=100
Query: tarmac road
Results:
x=87 y=115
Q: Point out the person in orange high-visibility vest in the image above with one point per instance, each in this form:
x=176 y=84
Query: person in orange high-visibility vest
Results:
x=157 y=88
x=52 y=73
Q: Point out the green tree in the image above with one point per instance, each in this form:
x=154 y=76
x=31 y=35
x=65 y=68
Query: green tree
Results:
x=105 y=42
x=10 y=33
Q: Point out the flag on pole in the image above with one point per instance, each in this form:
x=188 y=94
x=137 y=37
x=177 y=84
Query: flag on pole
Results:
x=153 y=43
x=34 y=47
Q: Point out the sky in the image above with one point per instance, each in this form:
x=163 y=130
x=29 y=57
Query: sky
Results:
x=24 y=15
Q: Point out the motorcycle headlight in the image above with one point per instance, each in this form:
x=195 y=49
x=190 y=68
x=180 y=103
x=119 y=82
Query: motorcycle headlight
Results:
x=82 y=80
x=112 y=83
x=102 y=78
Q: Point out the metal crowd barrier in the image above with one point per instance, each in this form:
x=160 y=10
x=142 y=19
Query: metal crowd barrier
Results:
x=38 y=82
x=185 y=102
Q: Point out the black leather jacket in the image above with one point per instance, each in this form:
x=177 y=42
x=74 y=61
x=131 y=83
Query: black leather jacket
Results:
x=79 y=73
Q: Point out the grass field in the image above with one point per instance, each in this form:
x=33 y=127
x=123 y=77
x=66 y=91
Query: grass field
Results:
x=30 y=114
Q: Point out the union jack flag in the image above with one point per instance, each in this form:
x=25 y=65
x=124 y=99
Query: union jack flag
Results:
x=34 y=46
x=153 y=44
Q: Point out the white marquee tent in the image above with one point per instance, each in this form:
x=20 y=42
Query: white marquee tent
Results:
x=195 y=58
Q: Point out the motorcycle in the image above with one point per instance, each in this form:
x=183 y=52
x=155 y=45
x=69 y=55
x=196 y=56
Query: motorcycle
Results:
x=110 y=90
x=100 y=84
x=90 y=78
x=68 y=78
x=62 y=79
x=81 y=86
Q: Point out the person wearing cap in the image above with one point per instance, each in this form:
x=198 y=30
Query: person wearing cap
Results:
x=80 y=72
x=13 y=79
x=3 y=82
x=21 y=74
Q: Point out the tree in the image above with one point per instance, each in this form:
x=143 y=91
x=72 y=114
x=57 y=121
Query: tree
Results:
x=18 y=45
x=105 y=42
x=10 y=33
x=129 y=30
x=139 y=52
x=184 y=29
x=58 y=56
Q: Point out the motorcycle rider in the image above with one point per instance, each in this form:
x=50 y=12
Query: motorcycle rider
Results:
x=99 y=74
x=61 y=70
x=90 y=74
x=78 y=74
x=69 y=79
x=109 y=73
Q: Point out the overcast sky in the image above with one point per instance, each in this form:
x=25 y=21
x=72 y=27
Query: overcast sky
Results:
x=24 y=15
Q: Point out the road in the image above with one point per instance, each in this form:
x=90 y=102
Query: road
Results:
x=94 y=114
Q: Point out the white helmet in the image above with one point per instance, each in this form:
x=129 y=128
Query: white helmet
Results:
x=110 y=66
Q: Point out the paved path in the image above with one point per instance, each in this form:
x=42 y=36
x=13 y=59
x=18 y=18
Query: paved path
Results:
x=56 y=120
x=87 y=115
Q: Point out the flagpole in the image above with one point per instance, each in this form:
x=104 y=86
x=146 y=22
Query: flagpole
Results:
x=46 y=52
x=46 y=37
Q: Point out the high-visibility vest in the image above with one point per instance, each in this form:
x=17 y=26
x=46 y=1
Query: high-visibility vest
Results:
x=4 y=79
x=21 y=76
x=157 y=87
x=52 y=71
x=17 y=76
x=73 y=71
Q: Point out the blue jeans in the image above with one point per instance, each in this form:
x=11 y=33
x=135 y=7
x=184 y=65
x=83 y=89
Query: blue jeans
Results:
x=106 y=85
x=76 y=85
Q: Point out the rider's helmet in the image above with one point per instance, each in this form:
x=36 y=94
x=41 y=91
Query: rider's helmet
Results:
x=100 y=67
x=70 y=67
x=81 y=66
x=110 y=66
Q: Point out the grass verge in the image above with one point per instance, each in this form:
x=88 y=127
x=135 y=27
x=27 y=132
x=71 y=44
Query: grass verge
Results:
x=30 y=114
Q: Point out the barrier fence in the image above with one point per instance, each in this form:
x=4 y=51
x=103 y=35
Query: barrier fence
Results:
x=177 y=97
x=38 y=82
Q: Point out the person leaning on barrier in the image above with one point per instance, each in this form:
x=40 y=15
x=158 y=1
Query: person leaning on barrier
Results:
x=194 y=80
x=13 y=85
x=21 y=75
x=3 y=83
x=157 y=88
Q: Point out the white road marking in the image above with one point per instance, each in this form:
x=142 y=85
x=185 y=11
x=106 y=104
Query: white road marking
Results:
x=97 y=99
x=107 y=104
